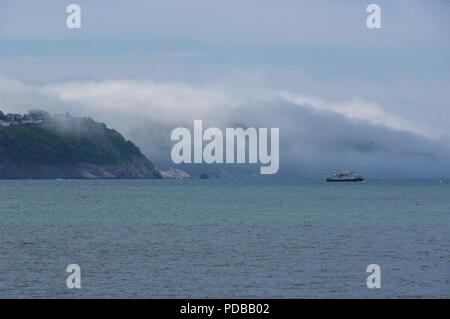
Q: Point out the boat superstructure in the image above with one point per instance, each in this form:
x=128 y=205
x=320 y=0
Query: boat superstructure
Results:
x=342 y=176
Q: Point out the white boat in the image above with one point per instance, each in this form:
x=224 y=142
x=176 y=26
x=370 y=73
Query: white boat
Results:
x=342 y=176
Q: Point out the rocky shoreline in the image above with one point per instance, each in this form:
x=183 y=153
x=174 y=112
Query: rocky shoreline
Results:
x=137 y=169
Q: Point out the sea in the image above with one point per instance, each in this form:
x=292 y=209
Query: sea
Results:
x=224 y=238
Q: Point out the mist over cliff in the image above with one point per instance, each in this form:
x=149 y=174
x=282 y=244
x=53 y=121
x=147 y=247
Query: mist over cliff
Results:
x=317 y=136
x=40 y=146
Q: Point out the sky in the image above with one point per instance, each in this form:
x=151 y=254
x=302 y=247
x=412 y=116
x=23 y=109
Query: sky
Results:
x=376 y=100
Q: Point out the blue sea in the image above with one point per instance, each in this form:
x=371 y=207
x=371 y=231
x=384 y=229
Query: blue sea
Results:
x=224 y=238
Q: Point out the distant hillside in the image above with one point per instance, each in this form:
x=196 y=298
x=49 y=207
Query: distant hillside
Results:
x=37 y=145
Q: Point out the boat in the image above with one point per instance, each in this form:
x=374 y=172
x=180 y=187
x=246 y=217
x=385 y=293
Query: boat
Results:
x=342 y=176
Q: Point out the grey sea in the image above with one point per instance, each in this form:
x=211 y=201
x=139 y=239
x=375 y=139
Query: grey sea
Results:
x=224 y=238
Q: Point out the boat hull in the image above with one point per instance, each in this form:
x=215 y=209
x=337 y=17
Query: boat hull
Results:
x=333 y=180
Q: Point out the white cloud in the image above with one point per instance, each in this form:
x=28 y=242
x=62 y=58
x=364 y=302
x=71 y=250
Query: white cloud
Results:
x=181 y=102
x=358 y=109
x=176 y=102
x=315 y=132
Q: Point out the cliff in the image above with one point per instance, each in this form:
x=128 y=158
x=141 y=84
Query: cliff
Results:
x=40 y=146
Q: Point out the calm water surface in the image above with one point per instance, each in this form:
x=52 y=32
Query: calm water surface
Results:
x=224 y=238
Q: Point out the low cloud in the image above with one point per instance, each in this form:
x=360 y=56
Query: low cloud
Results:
x=317 y=136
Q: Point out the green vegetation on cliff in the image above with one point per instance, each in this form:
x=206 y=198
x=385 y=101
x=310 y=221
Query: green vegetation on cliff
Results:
x=68 y=147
